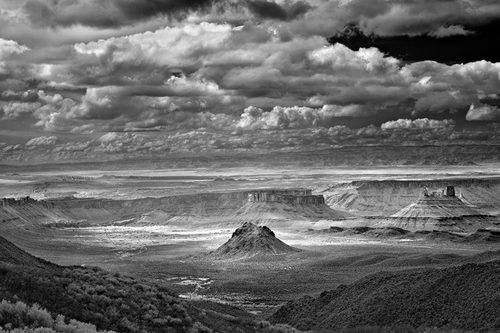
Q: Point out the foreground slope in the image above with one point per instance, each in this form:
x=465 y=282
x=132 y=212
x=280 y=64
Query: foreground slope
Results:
x=11 y=254
x=109 y=301
x=463 y=297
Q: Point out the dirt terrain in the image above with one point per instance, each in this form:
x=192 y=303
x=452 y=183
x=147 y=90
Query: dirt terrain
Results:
x=167 y=238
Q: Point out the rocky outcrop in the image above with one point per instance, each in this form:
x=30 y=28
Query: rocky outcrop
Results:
x=439 y=210
x=228 y=209
x=74 y=211
x=17 y=202
x=288 y=196
x=251 y=240
x=438 y=205
x=386 y=197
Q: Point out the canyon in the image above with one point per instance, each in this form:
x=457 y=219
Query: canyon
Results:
x=252 y=240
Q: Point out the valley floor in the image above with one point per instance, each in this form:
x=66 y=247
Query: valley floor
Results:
x=256 y=284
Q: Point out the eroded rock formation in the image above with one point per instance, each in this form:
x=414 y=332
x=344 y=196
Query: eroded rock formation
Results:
x=440 y=210
x=288 y=196
x=251 y=240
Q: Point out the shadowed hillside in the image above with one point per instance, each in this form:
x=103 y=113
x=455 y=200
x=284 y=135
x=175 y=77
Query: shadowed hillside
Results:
x=11 y=254
x=463 y=297
x=104 y=300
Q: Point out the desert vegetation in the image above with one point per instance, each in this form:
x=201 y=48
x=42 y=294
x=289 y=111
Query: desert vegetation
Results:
x=109 y=302
x=464 y=297
x=20 y=317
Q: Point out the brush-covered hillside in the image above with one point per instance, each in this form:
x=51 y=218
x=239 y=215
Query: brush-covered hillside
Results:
x=11 y=254
x=463 y=297
x=105 y=300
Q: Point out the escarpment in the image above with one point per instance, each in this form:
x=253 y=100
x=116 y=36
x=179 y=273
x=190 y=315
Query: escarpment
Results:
x=288 y=196
x=440 y=210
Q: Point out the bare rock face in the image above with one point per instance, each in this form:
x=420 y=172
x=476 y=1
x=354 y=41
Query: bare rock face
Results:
x=251 y=240
x=289 y=196
x=382 y=198
x=439 y=211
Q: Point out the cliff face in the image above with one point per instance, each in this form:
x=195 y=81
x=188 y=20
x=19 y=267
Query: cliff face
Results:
x=208 y=209
x=106 y=211
x=276 y=207
x=384 y=198
x=440 y=210
x=292 y=196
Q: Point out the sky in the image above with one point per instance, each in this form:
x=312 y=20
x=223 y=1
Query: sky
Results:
x=82 y=78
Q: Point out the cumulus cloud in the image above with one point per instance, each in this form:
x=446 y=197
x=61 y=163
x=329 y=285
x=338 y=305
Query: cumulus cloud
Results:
x=243 y=67
x=10 y=47
x=294 y=117
x=452 y=30
x=421 y=123
x=341 y=58
x=171 y=46
x=42 y=141
x=14 y=110
x=483 y=112
x=439 y=102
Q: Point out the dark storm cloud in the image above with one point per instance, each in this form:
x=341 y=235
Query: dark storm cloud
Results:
x=473 y=45
x=141 y=9
x=125 y=66
x=22 y=96
x=271 y=10
x=61 y=13
x=104 y=14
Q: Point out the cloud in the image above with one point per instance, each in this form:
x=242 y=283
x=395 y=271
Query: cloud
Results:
x=170 y=46
x=294 y=117
x=23 y=96
x=440 y=102
x=12 y=110
x=421 y=17
x=420 y=124
x=10 y=47
x=42 y=141
x=452 y=30
x=341 y=59
x=483 y=112
x=206 y=76
x=272 y=10
x=105 y=14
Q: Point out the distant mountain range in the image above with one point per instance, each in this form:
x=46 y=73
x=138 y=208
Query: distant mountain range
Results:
x=342 y=155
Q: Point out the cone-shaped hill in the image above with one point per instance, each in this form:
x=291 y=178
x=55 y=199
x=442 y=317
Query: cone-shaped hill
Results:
x=440 y=211
x=251 y=240
x=11 y=254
